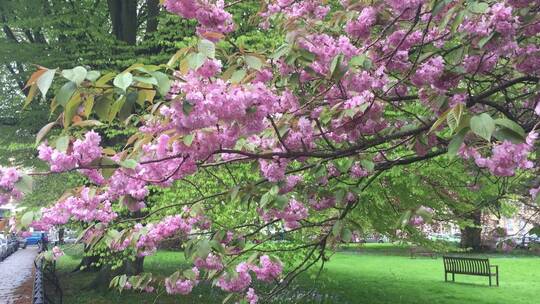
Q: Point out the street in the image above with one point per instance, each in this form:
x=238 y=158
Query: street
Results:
x=15 y=271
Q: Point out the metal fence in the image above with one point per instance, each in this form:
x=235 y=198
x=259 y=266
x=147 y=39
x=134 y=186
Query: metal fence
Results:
x=46 y=289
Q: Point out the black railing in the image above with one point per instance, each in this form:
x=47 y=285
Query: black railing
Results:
x=47 y=288
x=38 y=293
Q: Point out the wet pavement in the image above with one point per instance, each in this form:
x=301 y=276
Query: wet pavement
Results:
x=14 y=272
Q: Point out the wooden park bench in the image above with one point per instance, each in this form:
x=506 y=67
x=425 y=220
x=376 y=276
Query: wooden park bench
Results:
x=470 y=266
x=420 y=251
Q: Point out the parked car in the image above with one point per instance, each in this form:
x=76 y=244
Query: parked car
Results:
x=529 y=240
x=22 y=242
x=70 y=239
x=4 y=251
x=35 y=238
x=374 y=239
x=13 y=243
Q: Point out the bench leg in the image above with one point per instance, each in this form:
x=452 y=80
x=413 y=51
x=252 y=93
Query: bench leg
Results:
x=446 y=276
x=497 y=277
x=490 y=280
x=453 y=277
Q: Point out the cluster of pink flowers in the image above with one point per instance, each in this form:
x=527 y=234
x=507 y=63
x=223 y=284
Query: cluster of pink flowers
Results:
x=211 y=262
x=357 y=171
x=274 y=170
x=8 y=178
x=182 y=286
x=268 y=270
x=251 y=296
x=499 y=18
x=147 y=288
x=211 y=15
x=302 y=137
x=293 y=10
x=405 y=8
x=87 y=207
x=326 y=47
x=166 y=228
x=290 y=183
x=237 y=283
x=506 y=157
x=323 y=203
x=83 y=152
x=429 y=72
x=361 y=27
x=57 y=253
x=291 y=215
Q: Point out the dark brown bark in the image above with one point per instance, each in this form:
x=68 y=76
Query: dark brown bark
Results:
x=61 y=233
x=105 y=274
x=123 y=14
x=152 y=9
x=471 y=237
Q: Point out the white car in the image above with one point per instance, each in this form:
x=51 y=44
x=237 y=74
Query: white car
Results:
x=3 y=248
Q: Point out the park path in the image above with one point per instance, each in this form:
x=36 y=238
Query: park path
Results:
x=15 y=271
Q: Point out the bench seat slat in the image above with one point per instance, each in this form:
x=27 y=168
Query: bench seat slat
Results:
x=468 y=266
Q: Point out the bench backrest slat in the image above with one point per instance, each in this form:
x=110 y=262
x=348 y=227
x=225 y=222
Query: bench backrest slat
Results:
x=466 y=265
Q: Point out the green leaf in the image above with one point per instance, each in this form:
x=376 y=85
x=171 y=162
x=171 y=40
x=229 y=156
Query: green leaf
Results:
x=281 y=51
x=27 y=219
x=115 y=107
x=149 y=80
x=187 y=107
x=478 y=7
x=129 y=163
x=368 y=165
x=45 y=80
x=360 y=61
x=71 y=109
x=207 y=48
x=335 y=65
x=123 y=80
x=41 y=134
x=482 y=42
x=103 y=105
x=25 y=184
x=405 y=218
x=65 y=93
x=254 y=62
x=438 y=6
x=127 y=107
x=511 y=125
x=88 y=123
x=503 y=134
x=188 y=139
x=203 y=248
x=337 y=228
x=93 y=75
x=163 y=82
x=455 y=143
x=62 y=143
x=483 y=125
x=195 y=61
x=238 y=75
x=77 y=74
x=346 y=235
x=458 y=20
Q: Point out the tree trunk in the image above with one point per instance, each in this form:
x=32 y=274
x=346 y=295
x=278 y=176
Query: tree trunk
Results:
x=123 y=14
x=152 y=9
x=105 y=275
x=471 y=237
x=88 y=262
x=61 y=236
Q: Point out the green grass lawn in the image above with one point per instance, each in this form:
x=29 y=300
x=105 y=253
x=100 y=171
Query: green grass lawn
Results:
x=349 y=278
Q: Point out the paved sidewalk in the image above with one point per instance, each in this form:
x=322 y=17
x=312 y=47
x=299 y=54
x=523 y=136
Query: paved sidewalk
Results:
x=14 y=271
